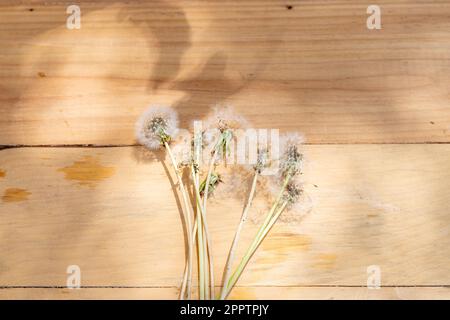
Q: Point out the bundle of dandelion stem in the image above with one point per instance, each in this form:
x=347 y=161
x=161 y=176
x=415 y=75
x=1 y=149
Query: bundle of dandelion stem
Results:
x=157 y=128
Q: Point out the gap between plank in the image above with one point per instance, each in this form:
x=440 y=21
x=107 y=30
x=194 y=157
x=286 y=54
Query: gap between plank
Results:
x=255 y=286
x=18 y=146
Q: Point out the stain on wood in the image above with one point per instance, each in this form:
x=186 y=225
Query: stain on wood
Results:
x=2 y=173
x=88 y=171
x=287 y=241
x=15 y=195
x=243 y=294
x=325 y=261
x=278 y=247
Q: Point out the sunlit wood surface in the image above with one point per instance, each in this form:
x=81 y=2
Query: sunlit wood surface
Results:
x=374 y=107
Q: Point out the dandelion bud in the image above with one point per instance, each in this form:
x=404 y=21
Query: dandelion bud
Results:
x=214 y=181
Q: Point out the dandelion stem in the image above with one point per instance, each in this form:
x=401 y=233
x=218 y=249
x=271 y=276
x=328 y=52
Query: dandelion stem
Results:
x=205 y=260
x=272 y=210
x=231 y=254
x=201 y=264
x=188 y=273
x=187 y=217
x=199 y=224
x=236 y=275
x=232 y=281
x=205 y=200
x=270 y=225
x=203 y=217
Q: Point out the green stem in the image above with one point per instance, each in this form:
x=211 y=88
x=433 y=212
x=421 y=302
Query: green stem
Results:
x=188 y=271
x=205 y=262
x=271 y=212
x=205 y=200
x=201 y=272
x=228 y=286
x=270 y=225
x=233 y=247
x=236 y=275
x=186 y=215
x=194 y=235
x=202 y=216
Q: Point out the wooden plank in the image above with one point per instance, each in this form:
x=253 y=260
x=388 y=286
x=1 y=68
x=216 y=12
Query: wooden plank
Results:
x=240 y=293
x=314 y=67
x=112 y=212
x=91 y=293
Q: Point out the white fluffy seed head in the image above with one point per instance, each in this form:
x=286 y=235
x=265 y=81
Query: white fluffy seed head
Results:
x=221 y=128
x=299 y=204
x=224 y=118
x=291 y=157
x=209 y=137
x=292 y=193
x=262 y=160
x=156 y=124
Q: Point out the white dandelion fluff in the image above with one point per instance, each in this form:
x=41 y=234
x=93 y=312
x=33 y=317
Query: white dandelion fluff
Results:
x=225 y=118
x=291 y=157
x=221 y=130
x=236 y=183
x=292 y=193
x=158 y=124
x=290 y=163
x=182 y=147
x=299 y=203
x=273 y=185
x=298 y=210
x=209 y=136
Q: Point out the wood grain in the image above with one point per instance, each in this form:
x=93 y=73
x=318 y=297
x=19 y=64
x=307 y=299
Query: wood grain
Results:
x=385 y=205
x=240 y=293
x=314 y=68
x=374 y=106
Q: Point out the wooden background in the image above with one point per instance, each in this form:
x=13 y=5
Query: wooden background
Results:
x=374 y=106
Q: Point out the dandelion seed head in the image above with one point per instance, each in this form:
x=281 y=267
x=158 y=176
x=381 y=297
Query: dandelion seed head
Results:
x=292 y=193
x=291 y=160
x=223 y=118
x=262 y=160
x=209 y=137
x=272 y=186
x=156 y=125
x=300 y=203
x=296 y=211
x=269 y=187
